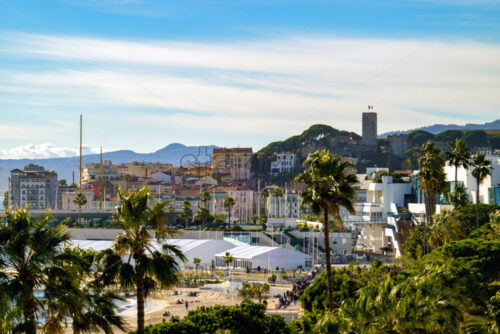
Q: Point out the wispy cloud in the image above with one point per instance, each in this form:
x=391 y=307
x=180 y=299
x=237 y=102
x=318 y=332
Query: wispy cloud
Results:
x=273 y=87
x=42 y=151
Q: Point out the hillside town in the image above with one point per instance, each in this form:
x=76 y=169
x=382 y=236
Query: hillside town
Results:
x=241 y=189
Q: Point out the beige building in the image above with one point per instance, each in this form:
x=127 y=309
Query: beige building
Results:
x=143 y=169
x=232 y=163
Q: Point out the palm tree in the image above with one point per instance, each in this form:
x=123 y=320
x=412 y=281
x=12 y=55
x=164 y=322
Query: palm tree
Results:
x=155 y=262
x=431 y=177
x=278 y=193
x=34 y=259
x=265 y=194
x=482 y=168
x=260 y=290
x=196 y=262
x=80 y=200
x=99 y=306
x=203 y=214
x=329 y=189
x=187 y=212
x=27 y=247
x=205 y=199
x=458 y=156
x=228 y=259
x=228 y=205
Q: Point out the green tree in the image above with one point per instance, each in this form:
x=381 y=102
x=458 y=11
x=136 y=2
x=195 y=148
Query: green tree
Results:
x=97 y=303
x=495 y=142
x=228 y=205
x=153 y=268
x=203 y=215
x=458 y=156
x=63 y=183
x=329 y=188
x=254 y=290
x=205 y=199
x=80 y=200
x=476 y=138
x=278 y=194
x=228 y=259
x=459 y=197
x=265 y=194
x=254 y=219
x=419 y=137
x=196 y=262
x=27 y=247
x=34 y=259
x=245 y=318
x=482 y=168
x=431 y=176
x=187 y=212
x=449 y=136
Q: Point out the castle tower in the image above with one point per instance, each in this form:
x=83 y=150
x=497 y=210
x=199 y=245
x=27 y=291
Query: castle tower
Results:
x=369 y=137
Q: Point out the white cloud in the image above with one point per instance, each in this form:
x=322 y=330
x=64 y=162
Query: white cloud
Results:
x=278 y=86
x=42 y=151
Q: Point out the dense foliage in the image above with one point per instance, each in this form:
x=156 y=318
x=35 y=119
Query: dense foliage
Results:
x=245 y=318
x=447 y=283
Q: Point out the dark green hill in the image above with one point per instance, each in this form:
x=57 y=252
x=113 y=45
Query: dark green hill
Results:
x=316 y=135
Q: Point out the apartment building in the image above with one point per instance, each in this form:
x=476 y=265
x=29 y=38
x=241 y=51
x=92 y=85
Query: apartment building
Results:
x=91 y=172
x=232 y=163
x=33 y=186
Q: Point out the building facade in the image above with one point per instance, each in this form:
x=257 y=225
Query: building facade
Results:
x=34 y=187
x=232 y=163
x=284 y=163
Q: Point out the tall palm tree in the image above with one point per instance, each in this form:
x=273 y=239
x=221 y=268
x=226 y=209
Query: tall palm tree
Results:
x=458 y=156
x=278 y=194
x=155 y=263
x=34 y=259
x=482 y=168
x=265 y=194
x=28 y=247
x=80 y=200
x=196 y=262
x=431 y=177
x=228 y=205
x=228 y=259
x=205 y=199
x=98 y=308
x=203 y=215
x=329 y=187
x=187 y=212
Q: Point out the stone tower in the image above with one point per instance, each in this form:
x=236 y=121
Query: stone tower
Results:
x=369 y=129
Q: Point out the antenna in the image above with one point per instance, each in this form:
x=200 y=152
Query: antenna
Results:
x=80 y=152
x=100 y=183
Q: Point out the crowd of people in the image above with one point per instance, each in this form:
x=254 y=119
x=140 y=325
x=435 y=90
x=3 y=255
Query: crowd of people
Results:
x=292 y=296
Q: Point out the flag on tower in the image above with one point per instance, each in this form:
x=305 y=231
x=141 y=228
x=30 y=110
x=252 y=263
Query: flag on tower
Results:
x=370 y=107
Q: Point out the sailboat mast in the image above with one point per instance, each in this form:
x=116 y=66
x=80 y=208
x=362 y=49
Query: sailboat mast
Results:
x=100 y=184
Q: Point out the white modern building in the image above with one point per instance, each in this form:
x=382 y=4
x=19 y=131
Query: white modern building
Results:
x=489 y=190
x=246 y=256
x=204 y=249
x=284 y=163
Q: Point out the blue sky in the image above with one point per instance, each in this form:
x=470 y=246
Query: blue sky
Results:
x=148 y=73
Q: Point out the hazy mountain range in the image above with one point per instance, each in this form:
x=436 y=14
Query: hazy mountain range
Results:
x=65 y=167
x=437 y=128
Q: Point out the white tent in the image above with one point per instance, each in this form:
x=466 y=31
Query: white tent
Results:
x=247 y=256
x=205 y=249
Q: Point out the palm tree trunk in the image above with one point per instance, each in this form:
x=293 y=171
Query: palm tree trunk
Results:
x=477 y=204
x=140 y=303
x=456 y=178
x=29 y=314
x=229 y=217
x=328 y=260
